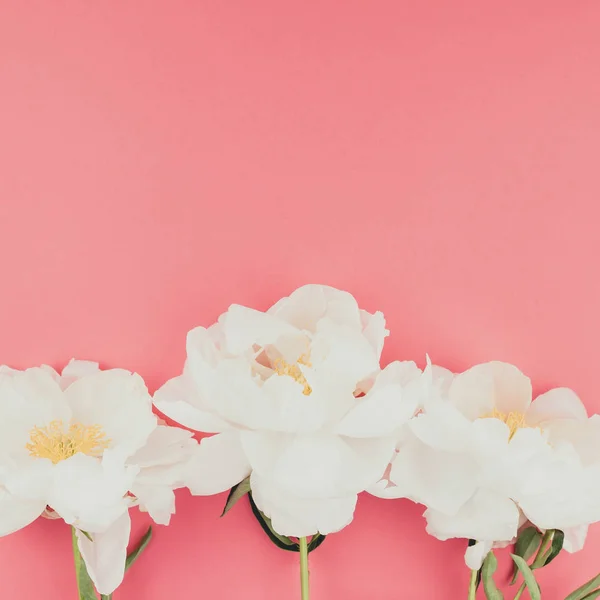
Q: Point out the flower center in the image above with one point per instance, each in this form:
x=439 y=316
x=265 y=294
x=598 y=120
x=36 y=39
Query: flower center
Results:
x=282 y=367
x=514 y=420
x=56 y=443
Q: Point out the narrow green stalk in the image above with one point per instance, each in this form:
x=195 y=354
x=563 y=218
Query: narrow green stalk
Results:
x=545 y=546
x=304 y=569
x=473 y=585
x=105 y=597
x=540 y=557
x=520 y=591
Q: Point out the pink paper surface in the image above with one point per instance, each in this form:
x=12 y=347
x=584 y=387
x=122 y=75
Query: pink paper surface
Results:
x=161 y=160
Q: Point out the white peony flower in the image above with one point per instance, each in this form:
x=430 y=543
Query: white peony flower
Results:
x=484 y=458
x=297 y=400
x=86 y=446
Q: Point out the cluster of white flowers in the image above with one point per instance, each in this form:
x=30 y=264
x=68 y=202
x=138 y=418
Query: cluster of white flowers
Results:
x=300 y=408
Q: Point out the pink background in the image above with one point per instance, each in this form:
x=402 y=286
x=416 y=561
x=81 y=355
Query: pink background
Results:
x=160 y=160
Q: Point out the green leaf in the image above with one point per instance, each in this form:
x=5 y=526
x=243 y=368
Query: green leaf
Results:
x=557 y=543
x=84 y=582
x=581 y=592
x=527 y=543
x=316 y=541
x=135 y=553
x=530 y=582
x=595 y=594
x=281 y=541
x=490 y=564
x=237 y=491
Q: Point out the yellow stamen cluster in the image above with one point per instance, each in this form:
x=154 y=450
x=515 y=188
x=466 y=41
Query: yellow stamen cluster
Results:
x=514 y=420
x=282 y=367
x=57 y=443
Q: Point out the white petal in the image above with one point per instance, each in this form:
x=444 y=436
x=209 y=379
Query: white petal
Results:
x=472 y=392
x=474 y=555
x=291 y=347
x=434 y=386
x=29 y=478
x=558 y=492
x=77 y=369
x=343 y=353
x=442 y=377
x=50 y=370
x=105 y=556
x=491 y=385
x=200 y=343
x=217 y=464
x=399 y=372
x=374 y=330
x=263 y=449
x=16 y=513
x=300 y=517
x=244 y=327
x=486 y=517
x=508 y=467
x=583 y=435
x=166 y=446
x=236 y=396
x=325 y=465
x=306 y=306
x=441 y=480
x=403 y=373
x=575 y=538
x=442 y=427
x=157 y=500
x=490 y=438
x=205 y=352
x=180 y=400
x=379 y=413
x=28 y=399
x=330 y=400
x=119 y=402
x=91 y=494
x=372 y=457
x=164 y=466
x=288 y=408
x=559 y=403
x=512 y=389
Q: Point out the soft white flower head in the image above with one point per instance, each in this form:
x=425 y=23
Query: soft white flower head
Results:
x=483 y=458
x=298 y=401
x=86 y=446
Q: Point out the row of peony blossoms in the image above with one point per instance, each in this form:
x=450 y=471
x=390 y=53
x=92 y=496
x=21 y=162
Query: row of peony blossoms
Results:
x=304 y=419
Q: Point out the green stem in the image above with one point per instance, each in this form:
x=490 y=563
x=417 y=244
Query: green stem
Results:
x=520 y=591
x=105 y=597
x=539 y=559
x=304 y=569
x=473 y=585
x=542 y=552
